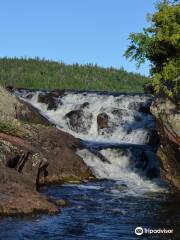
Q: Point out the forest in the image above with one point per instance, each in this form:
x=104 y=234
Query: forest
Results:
x=46 y=74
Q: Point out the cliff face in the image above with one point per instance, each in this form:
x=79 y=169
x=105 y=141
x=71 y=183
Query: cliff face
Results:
x=167 y=116
x=32 y=153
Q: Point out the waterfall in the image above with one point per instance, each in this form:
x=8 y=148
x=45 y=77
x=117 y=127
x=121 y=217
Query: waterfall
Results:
x=98 y=117
x=105 y=122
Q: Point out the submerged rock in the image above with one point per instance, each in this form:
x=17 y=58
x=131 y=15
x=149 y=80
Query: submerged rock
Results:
x=102 y=120
x=62 y=202
x=168 y=126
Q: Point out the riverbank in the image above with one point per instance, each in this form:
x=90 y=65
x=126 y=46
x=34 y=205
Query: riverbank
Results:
x=167 y=114
x=32 y=153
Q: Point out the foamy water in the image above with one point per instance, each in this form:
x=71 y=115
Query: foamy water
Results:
x=126 y=124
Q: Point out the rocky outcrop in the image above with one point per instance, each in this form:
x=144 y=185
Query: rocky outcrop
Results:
x=32 y=153
x=19 y=196
x=168 y=125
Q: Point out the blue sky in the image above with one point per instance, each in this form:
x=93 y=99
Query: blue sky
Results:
x=83 y=31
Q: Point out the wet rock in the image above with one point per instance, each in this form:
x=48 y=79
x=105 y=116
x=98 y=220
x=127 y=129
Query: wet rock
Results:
x=57 y=93
x=29 y=95
x=102 y=121
x=144 y=108
x=10 y=88
x=134 y=106
x=121 y=187
x=152 y=173
x=84 y=105
x=153 y=138
x=140 y=107
x=52 y=99
x=148 y=163
x=49 y=99
x=79 y=121
x=62 y=202
x=168 y=127
x=120 y=113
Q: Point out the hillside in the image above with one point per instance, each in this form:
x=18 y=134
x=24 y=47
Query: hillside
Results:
x=37 y=73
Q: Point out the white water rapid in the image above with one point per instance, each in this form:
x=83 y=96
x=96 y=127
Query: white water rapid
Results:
x=104 y=122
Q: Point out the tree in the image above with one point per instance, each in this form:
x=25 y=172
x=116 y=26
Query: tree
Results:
x=160 y=44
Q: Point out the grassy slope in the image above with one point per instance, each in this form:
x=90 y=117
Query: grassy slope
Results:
x=36 y=73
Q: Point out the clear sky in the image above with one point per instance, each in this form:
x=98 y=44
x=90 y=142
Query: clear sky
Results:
x=83 y=31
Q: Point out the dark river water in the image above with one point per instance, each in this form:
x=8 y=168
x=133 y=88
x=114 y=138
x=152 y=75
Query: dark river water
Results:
x=98 y=210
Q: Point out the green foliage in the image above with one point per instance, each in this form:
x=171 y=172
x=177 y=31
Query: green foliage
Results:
x=7 y=128
x=160 y=44
x=36 y=73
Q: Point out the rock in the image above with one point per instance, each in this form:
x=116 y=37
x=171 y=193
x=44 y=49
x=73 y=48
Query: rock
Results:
x=121 y=187
x=144 y=108
x=11 y=108
x=29 y=95
x=10 y=88
x=177 y=100
x=153 y=138
x=84 y=105
x=120 y=113
x=18 y=195
x=168 y=126
x=152 y=173
x=134 y=106
x=8 y=106
x=62 y=202
x=140 y=107
x=49 y=99
x=78 y=120
x=27 y=113
x=102 y=121
x=33 y=154
x=57 y=93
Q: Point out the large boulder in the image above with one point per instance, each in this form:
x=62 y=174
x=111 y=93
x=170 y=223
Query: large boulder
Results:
x=78 y=120
x=51 y=99
x=168 y=126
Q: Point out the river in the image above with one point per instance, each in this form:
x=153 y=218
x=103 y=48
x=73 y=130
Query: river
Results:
x=118 y=143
